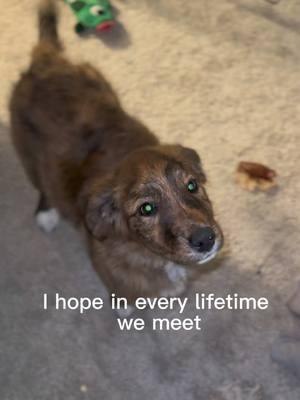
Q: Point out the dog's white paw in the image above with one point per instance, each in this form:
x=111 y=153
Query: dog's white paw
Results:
x=47 y=220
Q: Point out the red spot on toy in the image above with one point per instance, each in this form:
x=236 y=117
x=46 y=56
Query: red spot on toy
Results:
x=105 y=26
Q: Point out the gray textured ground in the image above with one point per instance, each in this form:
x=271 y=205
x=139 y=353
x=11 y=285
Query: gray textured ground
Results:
x=222 y=77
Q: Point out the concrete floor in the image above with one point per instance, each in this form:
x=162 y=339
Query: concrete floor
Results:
x=222 y=77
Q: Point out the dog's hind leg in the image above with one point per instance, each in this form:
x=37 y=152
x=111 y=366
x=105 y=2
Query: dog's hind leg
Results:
x=25 y=138
x=47 y=218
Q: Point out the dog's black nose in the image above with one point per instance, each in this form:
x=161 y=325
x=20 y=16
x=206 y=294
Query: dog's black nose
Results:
x=203 y=239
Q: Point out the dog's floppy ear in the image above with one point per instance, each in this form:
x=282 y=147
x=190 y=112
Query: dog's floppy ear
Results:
x=190 y=154
x=101 y=214
x=191 y=157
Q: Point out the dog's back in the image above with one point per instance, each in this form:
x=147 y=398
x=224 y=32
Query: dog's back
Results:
x=143 y=205
x=66 y=118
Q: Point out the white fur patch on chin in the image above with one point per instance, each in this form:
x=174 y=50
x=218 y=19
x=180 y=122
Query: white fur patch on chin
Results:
x=175 y=272
x=125 y=312
x=178 y=279
x=174 y=291
x=47 y=220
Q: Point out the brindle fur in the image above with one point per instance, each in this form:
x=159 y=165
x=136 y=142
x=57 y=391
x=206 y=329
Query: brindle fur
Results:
x=96 y=164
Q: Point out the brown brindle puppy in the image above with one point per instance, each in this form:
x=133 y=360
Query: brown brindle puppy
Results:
x=142 y=205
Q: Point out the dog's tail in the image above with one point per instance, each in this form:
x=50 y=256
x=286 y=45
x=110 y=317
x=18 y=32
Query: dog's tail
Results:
x=48 y=17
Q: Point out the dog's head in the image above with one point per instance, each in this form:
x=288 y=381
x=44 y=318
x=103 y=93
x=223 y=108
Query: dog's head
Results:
x=157 y=198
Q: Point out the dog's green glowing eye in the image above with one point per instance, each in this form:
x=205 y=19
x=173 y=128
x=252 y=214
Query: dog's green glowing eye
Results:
x=192 y=186
x=148 y=209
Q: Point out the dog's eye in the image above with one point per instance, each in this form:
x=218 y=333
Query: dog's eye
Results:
x=97 y=10
x=148 y=209
x=192 y=186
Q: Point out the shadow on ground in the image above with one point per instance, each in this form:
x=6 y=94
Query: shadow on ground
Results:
x=55 y=354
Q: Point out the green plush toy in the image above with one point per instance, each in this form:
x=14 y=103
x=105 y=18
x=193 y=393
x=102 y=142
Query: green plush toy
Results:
x=92 y=14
